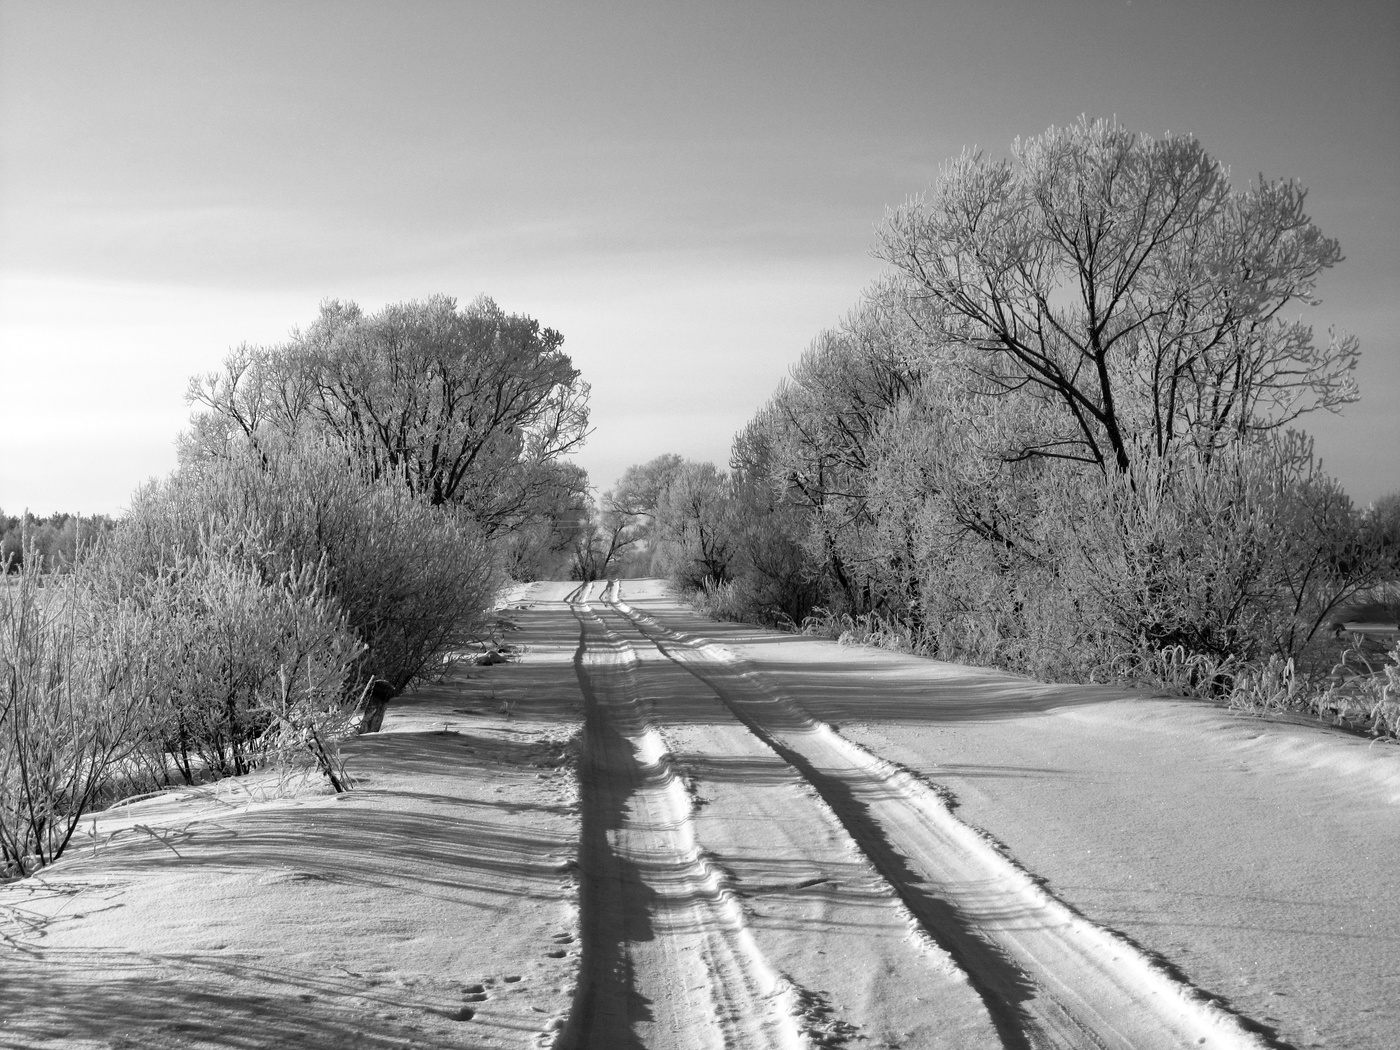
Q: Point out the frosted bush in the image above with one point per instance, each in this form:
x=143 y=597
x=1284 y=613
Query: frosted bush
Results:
x=238 y=668
x=1365 y=693
x=412 y=581
x=71 y=711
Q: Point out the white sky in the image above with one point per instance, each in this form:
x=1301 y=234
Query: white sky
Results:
x=687 y=191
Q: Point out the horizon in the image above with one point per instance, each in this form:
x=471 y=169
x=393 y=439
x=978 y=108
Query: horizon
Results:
x=689 y=196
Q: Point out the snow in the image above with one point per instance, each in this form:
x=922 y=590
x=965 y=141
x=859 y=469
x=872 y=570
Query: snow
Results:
x=424 y=908
x=779 y=842
x=1260 y=860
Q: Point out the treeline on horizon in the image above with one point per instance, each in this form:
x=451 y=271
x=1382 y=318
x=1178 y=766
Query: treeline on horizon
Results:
x=55 y=539
x=1058 y=437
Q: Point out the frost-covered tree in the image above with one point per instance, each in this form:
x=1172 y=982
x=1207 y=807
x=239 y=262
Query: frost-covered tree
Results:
x=1124 y=282
x=1058 y=437
x=470 y=406
x=695 y=525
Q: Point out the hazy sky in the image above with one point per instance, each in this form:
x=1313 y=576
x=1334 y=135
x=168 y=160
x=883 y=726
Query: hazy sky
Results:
x=688 y=191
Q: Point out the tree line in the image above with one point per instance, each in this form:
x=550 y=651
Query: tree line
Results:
x=56 y=539
x=346 y=507
x=1059 y=436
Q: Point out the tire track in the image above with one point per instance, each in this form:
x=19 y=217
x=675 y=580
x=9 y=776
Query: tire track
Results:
x=811 y=898
x=667 y=961
x=1050 y=978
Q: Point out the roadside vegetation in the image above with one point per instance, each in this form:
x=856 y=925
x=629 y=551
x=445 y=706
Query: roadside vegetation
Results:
x=346 y=508
x=1060 y=436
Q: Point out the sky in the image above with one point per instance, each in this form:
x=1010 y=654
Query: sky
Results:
x=688 y=192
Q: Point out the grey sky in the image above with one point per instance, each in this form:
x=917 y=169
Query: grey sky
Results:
x=686 y=191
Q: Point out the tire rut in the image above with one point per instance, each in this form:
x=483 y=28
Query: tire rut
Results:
x=666 y=960
x=1049 y=977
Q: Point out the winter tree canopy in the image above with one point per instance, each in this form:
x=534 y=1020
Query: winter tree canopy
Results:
x=1123 y=281
x=469 y=406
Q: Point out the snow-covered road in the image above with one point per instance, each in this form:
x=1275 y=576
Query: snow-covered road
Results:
x=1042 y=975
x=1120 y=871
x=767 y=841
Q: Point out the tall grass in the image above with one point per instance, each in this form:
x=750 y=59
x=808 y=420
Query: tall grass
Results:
x=1361 y=691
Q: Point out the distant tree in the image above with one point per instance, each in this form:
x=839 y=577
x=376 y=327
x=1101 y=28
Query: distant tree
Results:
x=669 y=515
x=638 y=492
x=598 y=545
x=695 y=525
x=470 y=406
x=56 y=540
x=1383 y=518
x=1121 y=281
x=815 y=439
x=626 y=519
x=545 y=548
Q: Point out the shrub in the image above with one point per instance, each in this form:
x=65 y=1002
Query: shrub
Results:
x=413 y=581
x=722 y=601
x=236 y=667
x=71 y=710
x=1241 y=558
x=1366 y=693
x=1358 y=692
x=282 y=597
